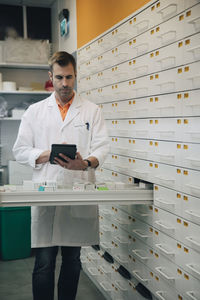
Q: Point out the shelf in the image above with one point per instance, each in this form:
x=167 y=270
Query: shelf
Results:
x=69 y=197
x=25 y=92
x=9 y=119
x=24 y=66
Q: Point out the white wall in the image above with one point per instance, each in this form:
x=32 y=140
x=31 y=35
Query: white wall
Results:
x=55 y=26
x=66 y=43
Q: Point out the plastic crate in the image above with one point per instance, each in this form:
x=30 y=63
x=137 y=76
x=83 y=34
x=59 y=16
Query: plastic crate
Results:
x=15 y=233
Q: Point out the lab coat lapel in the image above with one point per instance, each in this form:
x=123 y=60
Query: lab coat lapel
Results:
x=54 y=110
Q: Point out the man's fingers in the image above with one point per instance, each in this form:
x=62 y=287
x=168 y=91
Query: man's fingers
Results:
x=65 y=157
x=60 y=162
x=78 y=156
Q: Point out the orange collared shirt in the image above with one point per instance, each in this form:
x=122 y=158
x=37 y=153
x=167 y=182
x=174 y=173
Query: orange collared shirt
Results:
x=64 y=109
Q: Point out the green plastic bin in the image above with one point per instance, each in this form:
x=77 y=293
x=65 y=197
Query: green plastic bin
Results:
x=15 y=232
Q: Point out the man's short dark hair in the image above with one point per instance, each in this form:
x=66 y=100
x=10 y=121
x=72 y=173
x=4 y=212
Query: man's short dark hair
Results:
x=62 y=58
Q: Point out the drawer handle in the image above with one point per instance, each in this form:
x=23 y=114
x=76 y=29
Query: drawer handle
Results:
x=93 y=271
x=191 y=267
x=137 y=253
x=122 y=221
x=164 y=59
x=120 y=286
x=194 y=21
x=167 y=8
x=140 y=131
x=142 y=214
x=169 y=83
x=106 y=286
x=142 y=45
x=106 y=245
x=190 y=212
x=144 y=22
x=167 y=180
x=193 y=49
x=142 y=235
x=160 y=294
x=163 y=156
x=122 y=259
x=191 y=240
x=168 y=32
x=93 y=255
x=191 y=295
x=121 y=240
x=164 y=226
x=192 y=104
x=166 y=132
x=164 y=202
x=194 y=188
x=144 y=67
x=193 y=161
x=159 y=270
x=136 y=273
x=194 y=77
x=161 y=248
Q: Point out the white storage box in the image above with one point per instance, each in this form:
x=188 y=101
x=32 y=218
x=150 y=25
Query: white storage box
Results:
x=17 y=113
x=26 y=51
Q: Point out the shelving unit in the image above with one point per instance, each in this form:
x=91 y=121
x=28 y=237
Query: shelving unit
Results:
x=144 y=74
x=24 y=66
x=21 y=92
x=9 y=119
x=23 y=75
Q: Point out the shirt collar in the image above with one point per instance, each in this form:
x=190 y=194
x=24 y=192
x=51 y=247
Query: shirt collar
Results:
x=67 y=104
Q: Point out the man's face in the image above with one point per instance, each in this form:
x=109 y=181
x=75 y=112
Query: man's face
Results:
x=63 y=79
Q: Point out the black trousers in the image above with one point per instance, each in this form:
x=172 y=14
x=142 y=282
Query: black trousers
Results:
x=43 y=278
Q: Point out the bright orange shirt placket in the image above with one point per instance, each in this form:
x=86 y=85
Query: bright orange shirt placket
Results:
x=64 y=109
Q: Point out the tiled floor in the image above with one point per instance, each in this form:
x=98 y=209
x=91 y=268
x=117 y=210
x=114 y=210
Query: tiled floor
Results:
x=15 y=281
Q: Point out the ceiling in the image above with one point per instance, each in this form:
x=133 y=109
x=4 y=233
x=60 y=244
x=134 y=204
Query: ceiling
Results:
x=38 y=3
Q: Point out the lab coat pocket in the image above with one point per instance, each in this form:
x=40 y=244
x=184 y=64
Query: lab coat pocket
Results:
x=84 y=211
x=82 y=136
x=82 y=126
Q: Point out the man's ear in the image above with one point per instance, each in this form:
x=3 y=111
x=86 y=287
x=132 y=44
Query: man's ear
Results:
x=50 y=75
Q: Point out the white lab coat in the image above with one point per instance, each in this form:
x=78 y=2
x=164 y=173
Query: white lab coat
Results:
x=42 y=126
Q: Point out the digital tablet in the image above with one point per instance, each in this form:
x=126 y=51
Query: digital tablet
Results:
x=67 y=149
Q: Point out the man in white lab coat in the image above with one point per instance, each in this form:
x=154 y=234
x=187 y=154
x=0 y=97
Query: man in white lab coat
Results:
x=64 y=117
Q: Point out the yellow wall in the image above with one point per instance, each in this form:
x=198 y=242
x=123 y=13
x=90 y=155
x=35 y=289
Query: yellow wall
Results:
x=96 y=16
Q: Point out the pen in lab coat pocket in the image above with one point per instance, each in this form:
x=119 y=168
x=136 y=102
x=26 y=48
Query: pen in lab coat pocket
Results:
x=81 y=125
x=87 y=125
